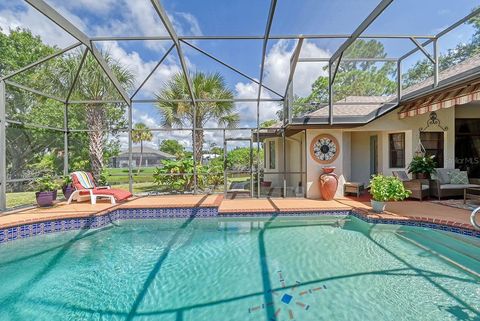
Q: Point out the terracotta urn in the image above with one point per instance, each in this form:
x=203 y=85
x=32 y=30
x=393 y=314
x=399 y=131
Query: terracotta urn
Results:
x=328 y=183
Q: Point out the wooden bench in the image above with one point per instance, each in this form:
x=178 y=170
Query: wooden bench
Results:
x=353 y=188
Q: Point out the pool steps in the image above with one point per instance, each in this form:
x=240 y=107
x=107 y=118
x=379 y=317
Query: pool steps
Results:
x=447 y=252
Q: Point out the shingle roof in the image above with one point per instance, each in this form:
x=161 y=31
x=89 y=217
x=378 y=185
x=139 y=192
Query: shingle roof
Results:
x=146 y=150
x=373 y=103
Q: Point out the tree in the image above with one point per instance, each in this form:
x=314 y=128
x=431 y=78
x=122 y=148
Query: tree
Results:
x=93 y=84
x=268 y=123
x=205 y=86
x=238 y=159
x=354 y=78
x=30 y=152
x=140 y=134
x=423 y=69
x=172 y=147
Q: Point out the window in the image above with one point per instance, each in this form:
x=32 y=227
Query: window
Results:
x=433 y=144
x=271 y=154
x=397 y=150
x=467 y=146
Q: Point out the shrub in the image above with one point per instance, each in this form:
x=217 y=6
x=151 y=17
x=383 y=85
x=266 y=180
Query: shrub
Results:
x=387 y=188
x=422 y=165
x=46 y=184
x=177 y=175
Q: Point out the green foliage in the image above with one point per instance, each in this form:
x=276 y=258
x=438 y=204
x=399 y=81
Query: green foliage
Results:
x=172 y=147
x=141 y=133
x=353 y=78
x=238 y=159
x=181 y=114
x=19 y=49
x=66 y=180
x=46 y=184
x=176 y=174
x=268 y=123
x=33 y=151
x=103 y=178
x=423 y=69
x=422 y=165
x=214 y=174
x=387 y=188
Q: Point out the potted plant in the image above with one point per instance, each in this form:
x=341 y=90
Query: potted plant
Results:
x=46 y=191
x=67 y=187
x=385 y=189
x=422 y=167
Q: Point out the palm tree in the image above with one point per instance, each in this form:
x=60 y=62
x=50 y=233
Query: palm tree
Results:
x=141 y=134
x=205 y=86
x=93 y=84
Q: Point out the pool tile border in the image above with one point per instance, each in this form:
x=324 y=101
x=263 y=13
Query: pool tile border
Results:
x=9 y=234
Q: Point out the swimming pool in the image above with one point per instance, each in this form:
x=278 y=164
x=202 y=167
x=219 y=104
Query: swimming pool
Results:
x=278 y=268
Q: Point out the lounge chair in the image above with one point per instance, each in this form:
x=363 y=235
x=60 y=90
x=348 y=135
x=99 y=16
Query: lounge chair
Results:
x=419 y=188
x=85 y=189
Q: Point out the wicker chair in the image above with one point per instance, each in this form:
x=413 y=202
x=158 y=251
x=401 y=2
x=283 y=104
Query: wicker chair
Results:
x=419 y=187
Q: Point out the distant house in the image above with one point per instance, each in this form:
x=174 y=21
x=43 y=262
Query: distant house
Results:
x=151 y=157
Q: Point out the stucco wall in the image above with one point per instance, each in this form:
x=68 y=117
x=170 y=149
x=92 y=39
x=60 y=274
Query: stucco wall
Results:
x=353 y=162
x=271 y=174
x=314 y=169
x=410 y=126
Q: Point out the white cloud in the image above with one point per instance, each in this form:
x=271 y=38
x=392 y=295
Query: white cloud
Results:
x=277 y=69
x=28 y=17
x=141 y=68
x=97 y=18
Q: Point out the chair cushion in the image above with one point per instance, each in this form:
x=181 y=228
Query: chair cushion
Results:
x=401 y=175
x=84 y=179
x=442 y=175
x=458 y=177
x=425 y=187
x=119 y=194
x=457 y=186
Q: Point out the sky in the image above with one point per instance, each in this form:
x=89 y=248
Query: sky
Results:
x=239 y=17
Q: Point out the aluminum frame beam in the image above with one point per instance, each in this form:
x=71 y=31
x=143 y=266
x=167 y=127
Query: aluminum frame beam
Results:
x=153 y=71
x=34 y=91
x=268 y=27
x=361 y=28
x=257 y=37
x=238 y=100
x=45 y=59
x=66 y=25
x=230 y=67
x=423 y=50
x=77 y=74
x=293 y=64
x=349 y=59
x=443 y=32
x=3 y=147
x=173 y=35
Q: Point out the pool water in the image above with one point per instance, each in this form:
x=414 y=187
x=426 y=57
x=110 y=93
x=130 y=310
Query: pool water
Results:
x=325 y=268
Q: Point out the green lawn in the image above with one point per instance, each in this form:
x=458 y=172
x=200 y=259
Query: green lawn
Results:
x=143 y=184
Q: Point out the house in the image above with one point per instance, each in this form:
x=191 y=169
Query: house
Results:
x=151 y=157
x=372 y=135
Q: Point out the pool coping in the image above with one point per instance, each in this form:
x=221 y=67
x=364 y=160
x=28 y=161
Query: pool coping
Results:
x=25 y=229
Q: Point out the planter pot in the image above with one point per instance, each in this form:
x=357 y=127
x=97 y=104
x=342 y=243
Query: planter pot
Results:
x=420 y=175
x=45 y=199
x=378 y=207
x=67 y=191
x=265 y=184
x=328 y=183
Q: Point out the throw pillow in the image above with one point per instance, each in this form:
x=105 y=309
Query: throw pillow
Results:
x=460 y=177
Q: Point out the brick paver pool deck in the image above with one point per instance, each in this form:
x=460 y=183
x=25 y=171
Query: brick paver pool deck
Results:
x=406 y=210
